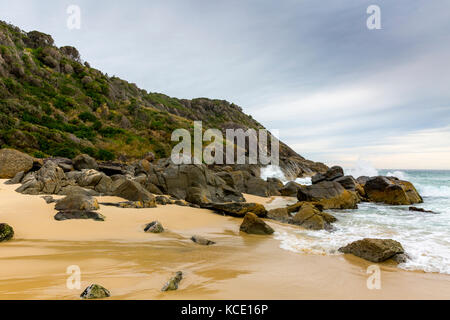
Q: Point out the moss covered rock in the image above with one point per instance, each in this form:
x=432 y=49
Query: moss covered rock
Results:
x=95 y=291
x=254 y=225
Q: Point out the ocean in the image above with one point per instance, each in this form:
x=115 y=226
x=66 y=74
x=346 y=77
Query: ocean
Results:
x=424 y=236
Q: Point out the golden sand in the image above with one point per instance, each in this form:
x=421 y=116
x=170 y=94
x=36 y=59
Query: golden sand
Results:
x=132 y=264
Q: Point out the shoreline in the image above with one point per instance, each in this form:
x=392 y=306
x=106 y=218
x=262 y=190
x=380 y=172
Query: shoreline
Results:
x=132 y=264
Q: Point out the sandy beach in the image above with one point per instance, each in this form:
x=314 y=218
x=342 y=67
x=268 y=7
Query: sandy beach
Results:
x=132 y=264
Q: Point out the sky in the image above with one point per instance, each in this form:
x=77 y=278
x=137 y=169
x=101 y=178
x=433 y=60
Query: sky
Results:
x=337 y=91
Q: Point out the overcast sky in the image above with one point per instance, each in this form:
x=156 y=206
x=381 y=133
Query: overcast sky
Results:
x=337 y=91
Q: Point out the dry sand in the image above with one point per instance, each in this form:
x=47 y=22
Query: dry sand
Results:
x=132 y=264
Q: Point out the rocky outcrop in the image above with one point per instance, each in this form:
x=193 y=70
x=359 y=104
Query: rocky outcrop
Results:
x=254 y=225
x=280 y=214
x=17 y=178
x=6 y=232
x=173 y=282
x=391 y=191
x=154 y=227
x=92 y=179
x=133 y=191
x=374 y=250
x=237 y=209
x=202 y=241
x=312 y=218
x=13 y=162
x=95 y=291
x=329 y=194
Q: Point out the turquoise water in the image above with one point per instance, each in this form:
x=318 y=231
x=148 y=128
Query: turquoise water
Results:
x=425 y=236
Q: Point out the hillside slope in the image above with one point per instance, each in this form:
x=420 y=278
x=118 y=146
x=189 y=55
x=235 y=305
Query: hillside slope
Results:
x=53 y=104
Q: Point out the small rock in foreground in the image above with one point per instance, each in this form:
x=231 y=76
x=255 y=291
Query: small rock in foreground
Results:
x=254 y=225
x=173 y=283
x=202 y=241
x=420 y=210
x=95 y=291
x=6 y=232
x=154 y=227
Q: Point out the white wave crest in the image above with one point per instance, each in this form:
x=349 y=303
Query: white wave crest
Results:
x=398 y=174
x=362 y=168
x=272 y=171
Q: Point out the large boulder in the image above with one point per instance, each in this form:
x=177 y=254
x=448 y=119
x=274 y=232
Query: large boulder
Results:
x=133 y=191
x=84 y=161
x=374 y=250
x=77 y=202
x=312 y=218
x=237 y=209
x=254 y=225
x=13 y=162
x=290 y=189
x=391 y=191
x=329 y=194
x=332 y=174
x=6 y=232
x=93 y=179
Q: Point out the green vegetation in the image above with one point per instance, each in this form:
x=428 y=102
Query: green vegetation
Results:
x=51 y=104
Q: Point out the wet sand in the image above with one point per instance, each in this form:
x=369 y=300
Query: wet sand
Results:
x=132 y=264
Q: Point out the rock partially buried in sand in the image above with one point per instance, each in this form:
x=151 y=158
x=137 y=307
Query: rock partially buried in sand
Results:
x=6 y=232
x=173 y=283
x=202 y=241
x=80 y=215
x=77 y=202
x=17 y=178
x=374 y=250
x=154 y=227
x=95 y=291
x=48 y=199
x=254 y=225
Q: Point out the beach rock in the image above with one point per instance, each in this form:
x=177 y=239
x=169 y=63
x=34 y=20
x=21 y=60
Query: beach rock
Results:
x=290 y=189
x=310 y=217
x=84 y=161
x=13 y=162
x=400 y=258
x=95 y=291
x=93 y=179
x=237 y=209
x=176 y=180
x=254 y=225
x=163 y=200
x=17 y=178
x=202 y=241
x=6 y=232
x=77 y=202
x=80 y=215
x=52 y=178
x=420 y=210
x=362 y=180
x=181 y=203
x=110 y=169
x=348 y=182
x=280 y=214
x=64 y=163
x=330 y=194
x=197 y=195
x=154 y=227
x=48 y=199
x=275 y=186
x=332 y=174
x=391 y=191
x=133 y=191
x=257 y=186
x=73 y=189
x=374 y=250
x=173 y=283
